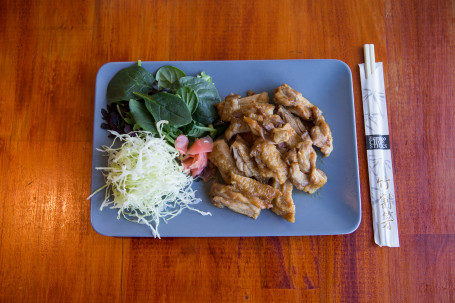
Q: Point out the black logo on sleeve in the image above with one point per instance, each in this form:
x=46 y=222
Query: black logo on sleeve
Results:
x=378 y=142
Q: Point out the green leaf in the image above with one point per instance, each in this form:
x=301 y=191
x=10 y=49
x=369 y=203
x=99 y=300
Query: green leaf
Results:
x=205 y=77
x=165 y=106
x=168 y=75
x=127 y=81
x=208 y=96
x=129 y=118
x=192 y=130
x=172 y=131
x=188 y=96
x=142 y=116
x=197 y=130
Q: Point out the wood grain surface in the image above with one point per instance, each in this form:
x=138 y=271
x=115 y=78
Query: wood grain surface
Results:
x=50 y=52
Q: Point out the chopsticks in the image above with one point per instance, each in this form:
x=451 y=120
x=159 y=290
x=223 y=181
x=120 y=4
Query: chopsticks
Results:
x=370 y=64
x=379 y=156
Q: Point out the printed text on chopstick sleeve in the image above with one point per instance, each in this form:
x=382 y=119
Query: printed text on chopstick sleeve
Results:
x=377 y=142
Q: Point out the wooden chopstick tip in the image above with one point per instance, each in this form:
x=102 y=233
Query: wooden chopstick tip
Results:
x=366 y=50
x=372 y=59
x=370 y=63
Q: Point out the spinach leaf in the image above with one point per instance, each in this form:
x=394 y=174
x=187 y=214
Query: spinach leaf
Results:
x=194 y=129
x=141 y=116
x=129 y=118
x=168 y=75
x=208 y=96
x=189 y=96
x=165 y=106
x=127 y=81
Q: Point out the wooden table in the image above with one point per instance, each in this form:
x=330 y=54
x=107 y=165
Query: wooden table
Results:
x=50 y=52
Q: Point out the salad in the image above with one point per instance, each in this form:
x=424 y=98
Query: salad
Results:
x=164 y=124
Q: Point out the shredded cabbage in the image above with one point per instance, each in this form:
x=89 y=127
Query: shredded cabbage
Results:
x=144 y=181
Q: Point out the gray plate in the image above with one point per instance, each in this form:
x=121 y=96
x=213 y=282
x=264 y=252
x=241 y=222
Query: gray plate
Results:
x=334 y=209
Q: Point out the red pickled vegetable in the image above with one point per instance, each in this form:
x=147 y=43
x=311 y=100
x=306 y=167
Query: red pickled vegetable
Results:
x=195 y=158
x=181 y=144
x=201 y=145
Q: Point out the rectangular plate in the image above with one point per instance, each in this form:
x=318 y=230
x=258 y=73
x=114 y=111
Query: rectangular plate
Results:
x=334 y=209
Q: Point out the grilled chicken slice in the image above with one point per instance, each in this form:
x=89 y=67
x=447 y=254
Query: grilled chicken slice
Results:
x=237 y=126
x=307 y=182
x=235 y=107
x=271 y=122
x=284 y=205
x=261 y=125
x=269 y=160
x=264 y=109
x=256 y=98
x=285 y=134
x=228 y=107
x=302 y=169
x=228 y=196
x=294 y=121
x=280 y=135
x=293 y=101
x=255 y=127
x=306 y=155
x=291 y=156
x=321 y=133
x=222 y=159
x=250 y=187
x=317 y=180
x=297 y=177
x=241 y=154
